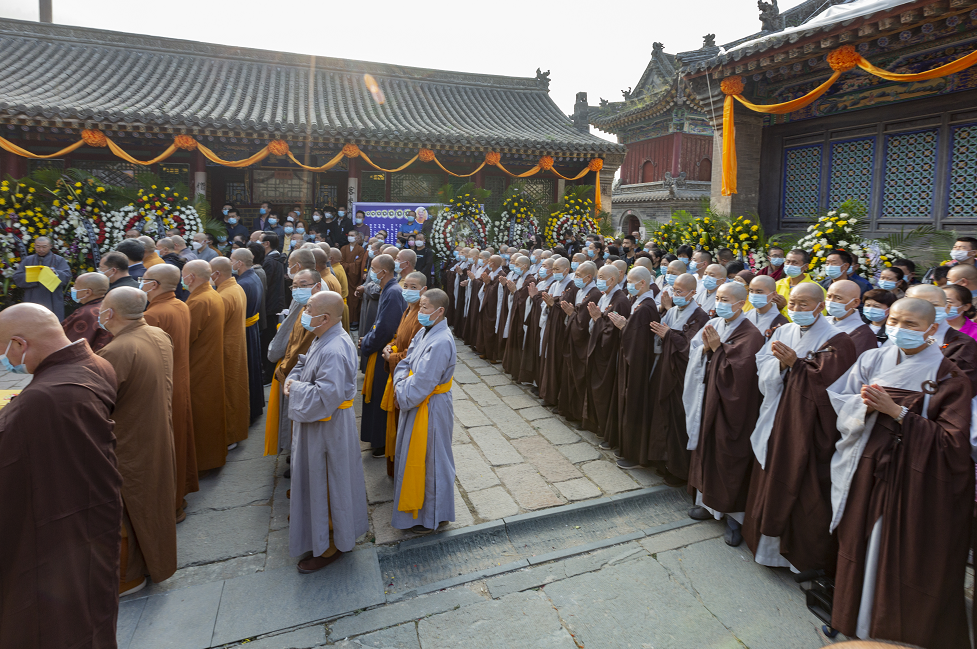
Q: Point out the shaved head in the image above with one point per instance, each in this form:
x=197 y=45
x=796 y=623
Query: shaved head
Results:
x=963 y=271
x=808 y=290
x=644 y=262
x=587 y=268
x=383 y=262
x=733 y=291
x=97 y=283
x=764 y=283
x=147 y=243
x=561 y=265
x=915 y=308
x=244 y=256
x=198 y=268
x=126 y=302
x=622 y=267
x=326 y=303
x=335 y=256
x=685 y=281
x=418 y=280
x=436 y=298
x=609 y=273
x=221 y=265
x=30 y=333
x=716 y=270
x=932 y=294
x=167 y=275
x=676 y=267
x=639 y=274
x=846 y=291
x=166 y=244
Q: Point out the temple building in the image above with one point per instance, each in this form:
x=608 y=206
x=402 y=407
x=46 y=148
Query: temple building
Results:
x=142 y=91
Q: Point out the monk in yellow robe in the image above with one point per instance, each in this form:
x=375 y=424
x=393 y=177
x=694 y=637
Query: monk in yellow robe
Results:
x=336 y=259
x=324 y=268
x=206 y=366
x=151 y=258
x=237 y=398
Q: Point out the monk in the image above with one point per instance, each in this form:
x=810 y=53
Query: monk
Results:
x=424 y=478
x=722 y=403
x=352 y=255
x=902 y=489
x=600 y=412
x=634 y=367
x=573 y=384
x=955 y=345
x=474 y=297
x=788 y=510
x=843 y=299
x=454 y=288
x=516 y=327
x=206 y=366
x=713 y=277
x=414 y=286
x=236 y=393
x=540 y=364
x=683 y=318
x=142 y=357
x=763 y=309
x=487 y=343
x=88 y=291
x=392 y=306
x=404 y=264
x=151 y=257
x=171 y=315
x=327 y=508
x=324 y=268
x=336 y=262
x=242 y=266
x=62 y=511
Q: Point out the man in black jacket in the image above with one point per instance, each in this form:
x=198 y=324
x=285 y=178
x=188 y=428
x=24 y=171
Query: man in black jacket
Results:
x=275 y=300
x=425 y=258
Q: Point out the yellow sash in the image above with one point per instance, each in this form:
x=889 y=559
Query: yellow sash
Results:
x=271 y=419
x=368 y=379
x=345 y=405
x=412 y=486
x=252 y=320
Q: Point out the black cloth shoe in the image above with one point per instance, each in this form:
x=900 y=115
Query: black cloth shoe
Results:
x=627 y=464
x=673 y=480
x=733 y=536
x=378 y=452
x=288 y=473
x=699 y=513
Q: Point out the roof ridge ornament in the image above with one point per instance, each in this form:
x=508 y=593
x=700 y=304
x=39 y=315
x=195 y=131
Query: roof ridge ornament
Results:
x=543 y=78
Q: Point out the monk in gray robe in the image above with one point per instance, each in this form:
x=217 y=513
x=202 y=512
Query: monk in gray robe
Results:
x=424 y=467
x=327 y=510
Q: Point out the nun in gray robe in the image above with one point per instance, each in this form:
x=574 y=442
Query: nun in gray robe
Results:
x=431 y=358
x=327 y=472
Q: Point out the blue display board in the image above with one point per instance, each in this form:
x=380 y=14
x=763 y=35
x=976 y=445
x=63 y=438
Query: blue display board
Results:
x=388 y=216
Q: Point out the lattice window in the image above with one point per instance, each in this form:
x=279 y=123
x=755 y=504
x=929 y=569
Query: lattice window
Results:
x=962 y=198
x=373 y=188
x=910 y=175
x=802 y=181
x=420 y=188
x=326 y=195
x=281 y=186
x=34 y=165
x=235 y=193
x=120 y=174
x=541 y=192
x=175 y=173
x=496 y=185
x=852 y=166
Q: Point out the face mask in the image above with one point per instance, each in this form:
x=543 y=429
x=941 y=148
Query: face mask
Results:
x=142 y=283
x=290 y=219
x=197 y=245
x=289 y=229
x=351 y=239
x=680 y=300
x=372 y=253
x=10 y=367
x=574 y=265
x=291 y=243
x=607 y=255
x=602 y=285
x=905 y=338
x=940 y=315
x=342 y=213
x=953 y=313
x=833 y=271
x=411 y=243
x=792 y=271
x=776 y=261
x=232 y=221
x=183 y=283
x=316 y=217
x=261 y=210
x=663 y=269
x=533 y=259
x=710 y=283
x=684 y=261
x=410 y=219
x=272 y=221
x=301 y=295
x=802 y=318
x=517 y=271
x=542 y=273
x=578 y=282
x=591 y=252
x=307 y=322
x=874 y=313
x=724 y=310
x=670 y=279
x=373 y=277
x=411 y=295
x=837 y=309
x=359 y=221
x=558 y=276
x=420 y=244
x=632 y=289
x=74 y=294
x=298 y=212
x=99 y=319
x=693 y=265
x=222 y=239
x=225 y=212
x=506 y=257
x=425 y=319
x=758 y=300
x=397 y=266
x=300 y=230
x=886 y=284
x=959 y=255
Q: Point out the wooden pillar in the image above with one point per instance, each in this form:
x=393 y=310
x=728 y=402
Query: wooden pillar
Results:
x=479 y=178
x=14 y=165
x=676 y=155
x=353 y=182
x=198 y=174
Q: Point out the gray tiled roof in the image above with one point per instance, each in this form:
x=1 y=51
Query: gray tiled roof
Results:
x=56 y=72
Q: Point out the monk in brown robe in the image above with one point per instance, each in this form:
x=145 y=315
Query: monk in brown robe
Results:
x=415 y=285
x=473 y=291
x=516 y=332
x=62 y=510
x=555 y=286
x=843 y=299
x=206 y=366
x=902 y=489
x=173 y=316
x=722 y=401
x=789 y=507
x=237 y=399
x=353 y=255
x=151 y=257
x=88 y=291
x=955 y=345
x=600 y=412
x=487 y=343
x=683 y=318
x=573 y=385
x=336 y=263
x=764 y=307
x=142 y=357
x=634 y=367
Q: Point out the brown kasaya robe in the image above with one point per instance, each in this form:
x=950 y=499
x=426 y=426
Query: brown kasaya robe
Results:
x=448 y=284
x=791 y=497
x=719 y=467
x=352 y=263
x=667 y=438
x=487 y=341
x=552 y=364
x=962 y=350
x=470 y=320
x=512 y=359
x=634 y=380
x=919 y=478
x=573 y=385
x=237 y=398
x=600 y=411
x=83 y=323
x=173 y=316
x=504 y=295
x=299 y=341
x=142 y=357
x=207 y=377
x=864 y=339
x=340 y=273
x=62 y=507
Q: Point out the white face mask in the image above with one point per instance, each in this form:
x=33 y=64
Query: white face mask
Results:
x=197 y=245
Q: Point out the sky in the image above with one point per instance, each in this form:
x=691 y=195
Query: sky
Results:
x=596 y=47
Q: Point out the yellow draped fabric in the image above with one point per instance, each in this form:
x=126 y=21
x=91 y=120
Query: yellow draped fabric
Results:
x=252 y=320
x=526 y=174
x=952 y=67
x=412 y=486
x=788 y=106
x=390 y=406
x=597 y=194
x=119 y=153
x=236 y=164
x=271 y=418
x=448 y=171
x=366 y=159
x=729 y=149
x=326 y=167
x=345 y=405
x=368 y=379
x=24 y=153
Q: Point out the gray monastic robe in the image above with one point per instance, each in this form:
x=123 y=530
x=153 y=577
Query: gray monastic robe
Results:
x=327 y=471
x=35 y=291
x=431 y=358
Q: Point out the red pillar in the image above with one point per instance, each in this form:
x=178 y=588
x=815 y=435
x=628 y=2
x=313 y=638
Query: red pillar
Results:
x=14 y=165
x=676 y=155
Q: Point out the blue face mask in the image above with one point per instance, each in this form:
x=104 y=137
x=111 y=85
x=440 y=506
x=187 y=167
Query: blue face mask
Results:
x=232 y=221
x=397 y=266
x=342 y=213
x=886 y=284
x=74 y=294
x=591 y=252
x=289 y=229
x=874 y=313
x=693 y=266
x=300 y=230
x=776 y=262
x=802 y=318
x=302 y=295
x=602 y=285
x=506 y=257
x=10 y=367
x=724 y=310
x=632 y=289
x=905 y=338
x=710 y=283
x=425 y=319
x=558 y=276
x=578 y=282
x=833 y=272
x=792 y=271
x=517 y=271
x=222 y=239
x=533 y=259
x=837 y=310
x=662 y=270
x=373 y=277
x=758 y=300
x=411 y=295
x=940 y=315
x=684 y=261
x=680 y=300
x=272 y=221
x=574 y=265
x=183 y=283
x=261 y=210
x=225 y=212
x=670 y=279
x=953 y=313
x=307 y=321
x=542 y=273
x=607 y=255
x=98 y=319
x=371 y=253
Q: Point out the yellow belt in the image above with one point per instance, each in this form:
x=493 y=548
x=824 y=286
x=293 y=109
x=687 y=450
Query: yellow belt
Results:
x=345 y=405
x=412 y=486
x=252 y=320
x=368 y=378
